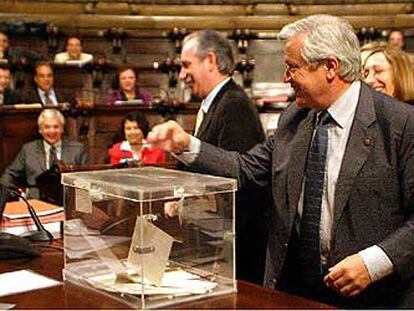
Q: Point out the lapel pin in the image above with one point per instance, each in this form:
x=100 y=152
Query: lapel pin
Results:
x=368 y=141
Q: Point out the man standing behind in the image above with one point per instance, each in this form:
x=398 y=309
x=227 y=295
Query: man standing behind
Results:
x=39 y=155
x=44 y=91
x=227 y=119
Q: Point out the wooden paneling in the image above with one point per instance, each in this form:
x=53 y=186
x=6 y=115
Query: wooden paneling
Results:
x=95 y=128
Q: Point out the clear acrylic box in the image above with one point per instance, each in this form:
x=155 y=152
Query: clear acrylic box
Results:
x=149 y=236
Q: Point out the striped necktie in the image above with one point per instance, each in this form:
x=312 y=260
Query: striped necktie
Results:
x=309 y=237
x=53 y=159
x=48 y=100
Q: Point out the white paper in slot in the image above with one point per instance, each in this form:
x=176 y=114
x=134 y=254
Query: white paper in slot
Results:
x=150 y=249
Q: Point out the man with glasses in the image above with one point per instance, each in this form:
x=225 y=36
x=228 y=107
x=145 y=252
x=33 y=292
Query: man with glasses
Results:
x=341 y=168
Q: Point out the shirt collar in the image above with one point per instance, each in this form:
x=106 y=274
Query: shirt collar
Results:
x=343 y=109
x=126 y=146
x=47 y=146
x=205 y=105
x=42 y=93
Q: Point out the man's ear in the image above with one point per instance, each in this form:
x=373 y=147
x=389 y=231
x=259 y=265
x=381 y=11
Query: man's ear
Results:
x=332 y=65
x=212 y=61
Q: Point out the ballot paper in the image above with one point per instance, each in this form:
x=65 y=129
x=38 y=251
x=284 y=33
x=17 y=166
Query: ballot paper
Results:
x=23 y=281
x=174 y=282
x=149 y=251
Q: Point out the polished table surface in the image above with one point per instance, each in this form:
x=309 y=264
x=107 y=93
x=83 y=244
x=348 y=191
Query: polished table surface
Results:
x=70 y=296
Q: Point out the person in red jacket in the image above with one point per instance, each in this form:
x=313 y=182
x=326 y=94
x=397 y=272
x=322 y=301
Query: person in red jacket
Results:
x=132 y=147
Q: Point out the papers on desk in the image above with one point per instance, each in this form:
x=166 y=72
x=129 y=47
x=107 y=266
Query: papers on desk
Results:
x=23 y=281
x=129 y=102
x=28 y=106
x=174 y=282
x=18 y=210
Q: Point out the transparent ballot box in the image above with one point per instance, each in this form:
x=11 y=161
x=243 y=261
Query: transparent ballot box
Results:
x=149 y=236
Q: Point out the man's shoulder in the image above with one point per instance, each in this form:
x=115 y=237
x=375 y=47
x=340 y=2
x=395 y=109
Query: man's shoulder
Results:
x=293 y=116
x=234 y=97
x=32 y=145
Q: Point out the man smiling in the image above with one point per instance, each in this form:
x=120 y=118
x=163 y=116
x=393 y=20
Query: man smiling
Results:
x=39 y=155
x=227 y=119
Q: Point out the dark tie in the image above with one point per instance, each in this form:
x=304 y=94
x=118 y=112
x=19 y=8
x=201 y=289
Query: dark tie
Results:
x=48 y=101
x=309 y=248
x=52 y=156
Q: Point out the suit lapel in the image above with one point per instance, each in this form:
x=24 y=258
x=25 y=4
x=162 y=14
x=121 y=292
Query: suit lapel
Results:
x=361 y=140
x=39 y=155
x=297 y=161
x=39 y=98
x=211 y=111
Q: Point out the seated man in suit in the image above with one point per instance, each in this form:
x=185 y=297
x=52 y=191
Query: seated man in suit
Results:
x=44 y=91
x=13 y=54
x=7 y=95
x=39 y=155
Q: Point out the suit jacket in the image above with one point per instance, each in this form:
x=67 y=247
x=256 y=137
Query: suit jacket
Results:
x=374 y=198
x=31 y=162
x=232 y=122
x=32 y=96
x=11 y=97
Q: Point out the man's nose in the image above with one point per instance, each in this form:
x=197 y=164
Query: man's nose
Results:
x=287 y=77
x=182 y=74
x=370 y=79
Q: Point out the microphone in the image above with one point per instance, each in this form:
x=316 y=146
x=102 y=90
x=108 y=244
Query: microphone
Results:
x=40 y=234
x=13 y=246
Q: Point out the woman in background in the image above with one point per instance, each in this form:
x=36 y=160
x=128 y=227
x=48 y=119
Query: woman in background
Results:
x=128 y=88
x=134 y=128
x=389 y=71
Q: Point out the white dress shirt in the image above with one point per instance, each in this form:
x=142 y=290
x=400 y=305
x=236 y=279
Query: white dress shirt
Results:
x=52 y=96
x=342 y=111
x=47 y=147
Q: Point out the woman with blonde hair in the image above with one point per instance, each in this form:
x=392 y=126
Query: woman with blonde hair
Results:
x=390 y=71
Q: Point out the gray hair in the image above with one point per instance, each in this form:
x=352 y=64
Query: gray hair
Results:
x=325 y=36
x=207 y=41
x=50 y=113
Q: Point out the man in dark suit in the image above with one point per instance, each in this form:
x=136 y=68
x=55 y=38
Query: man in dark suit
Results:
x=44 y=91
x=7 y=95
x=17 y=54
x=228 y=119
x=341 y=167
x=39 y=155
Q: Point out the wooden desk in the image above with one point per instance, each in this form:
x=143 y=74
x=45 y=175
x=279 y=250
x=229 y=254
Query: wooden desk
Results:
x=71 y=296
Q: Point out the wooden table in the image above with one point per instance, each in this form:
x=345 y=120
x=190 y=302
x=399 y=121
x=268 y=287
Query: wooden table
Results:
x=70 y=296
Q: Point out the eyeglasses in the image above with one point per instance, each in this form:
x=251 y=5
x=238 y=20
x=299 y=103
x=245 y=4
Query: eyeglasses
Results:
x=291 y=69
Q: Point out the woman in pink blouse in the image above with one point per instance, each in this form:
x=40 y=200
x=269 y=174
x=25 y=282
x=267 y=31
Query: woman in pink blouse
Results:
x=128 y=88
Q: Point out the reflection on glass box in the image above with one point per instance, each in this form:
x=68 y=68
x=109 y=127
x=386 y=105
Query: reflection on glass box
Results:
x=149 y=236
